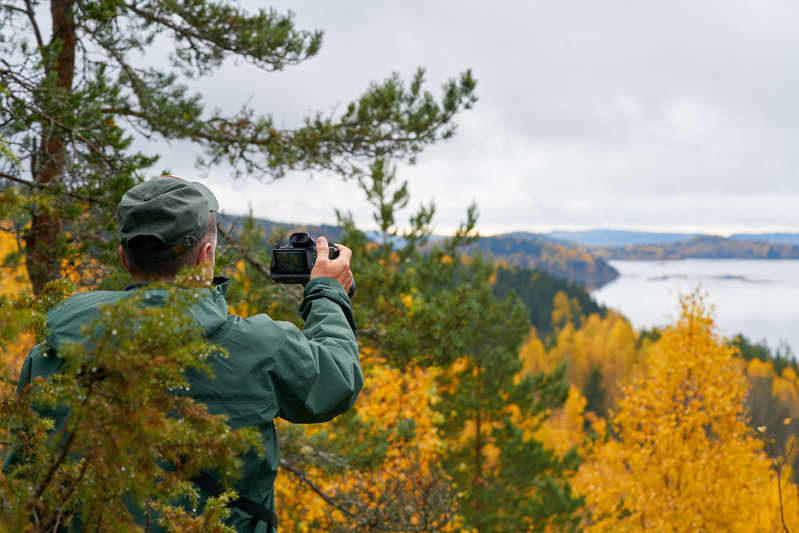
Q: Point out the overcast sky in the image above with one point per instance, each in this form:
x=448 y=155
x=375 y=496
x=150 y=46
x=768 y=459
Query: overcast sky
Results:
x=678 y=115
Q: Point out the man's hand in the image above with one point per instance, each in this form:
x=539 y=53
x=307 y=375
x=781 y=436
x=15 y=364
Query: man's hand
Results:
x=338 y=268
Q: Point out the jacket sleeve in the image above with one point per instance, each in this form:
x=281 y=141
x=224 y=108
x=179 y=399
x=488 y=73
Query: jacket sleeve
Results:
x=324 y=375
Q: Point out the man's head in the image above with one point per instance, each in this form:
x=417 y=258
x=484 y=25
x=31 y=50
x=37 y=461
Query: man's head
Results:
x=164 y=225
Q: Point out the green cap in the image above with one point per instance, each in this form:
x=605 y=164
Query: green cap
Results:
x=173 y=210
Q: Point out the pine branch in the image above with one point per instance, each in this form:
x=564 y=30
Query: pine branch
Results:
x=51 y=119
x=49 y=185
x=32 y=18
x=261 y=39
x=12 y=7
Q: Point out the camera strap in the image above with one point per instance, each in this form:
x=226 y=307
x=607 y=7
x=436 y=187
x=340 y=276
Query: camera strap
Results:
x=252 y=508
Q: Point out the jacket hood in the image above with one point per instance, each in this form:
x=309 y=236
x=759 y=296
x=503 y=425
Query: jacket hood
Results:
x=66 y=320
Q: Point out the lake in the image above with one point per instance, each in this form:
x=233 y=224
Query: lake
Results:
x=759 y=298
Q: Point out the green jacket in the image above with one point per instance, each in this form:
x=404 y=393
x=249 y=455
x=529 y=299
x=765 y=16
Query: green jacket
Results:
x=272 y=370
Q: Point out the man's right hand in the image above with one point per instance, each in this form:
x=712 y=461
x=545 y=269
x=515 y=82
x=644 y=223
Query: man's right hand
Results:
x=338 y=268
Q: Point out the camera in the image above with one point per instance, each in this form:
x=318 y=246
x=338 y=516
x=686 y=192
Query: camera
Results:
x=292 y=261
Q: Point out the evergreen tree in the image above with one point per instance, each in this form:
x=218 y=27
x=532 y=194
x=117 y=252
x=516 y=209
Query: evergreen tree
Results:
x=508 y=480
x=438 y=309
x=595 y=392
x=537 y=290
x=74 y=88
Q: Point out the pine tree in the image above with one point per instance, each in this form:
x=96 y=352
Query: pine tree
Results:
x=507 y=479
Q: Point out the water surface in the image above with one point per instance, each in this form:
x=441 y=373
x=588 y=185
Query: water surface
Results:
x=758 y=298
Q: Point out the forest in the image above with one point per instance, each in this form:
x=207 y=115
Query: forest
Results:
x=497 y=397
x=560 y=259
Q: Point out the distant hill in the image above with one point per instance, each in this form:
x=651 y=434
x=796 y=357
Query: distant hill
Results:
x=703 y=247
x=332 y=233
x=611 y=237
x=534 y=251
x=774 y=238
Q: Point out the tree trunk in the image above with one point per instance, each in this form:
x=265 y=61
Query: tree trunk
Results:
x=42 y=260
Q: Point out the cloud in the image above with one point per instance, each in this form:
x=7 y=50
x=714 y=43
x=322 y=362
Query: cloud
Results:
x=653 y=115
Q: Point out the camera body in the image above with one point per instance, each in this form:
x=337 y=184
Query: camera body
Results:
x=292 y=261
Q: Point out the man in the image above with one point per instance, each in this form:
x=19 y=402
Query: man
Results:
x=273 y=368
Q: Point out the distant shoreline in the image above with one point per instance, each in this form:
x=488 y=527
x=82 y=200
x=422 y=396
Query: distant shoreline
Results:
x=703 y=247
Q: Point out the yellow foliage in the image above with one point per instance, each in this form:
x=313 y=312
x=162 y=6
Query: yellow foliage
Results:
x=563 y=430
x=607 y=344
x=15 y=280
x=459 y=365
x=564 y=310
x=390 y=398
x=786 y=388
x=681 y=457
x=759 y=369
x=534 y=356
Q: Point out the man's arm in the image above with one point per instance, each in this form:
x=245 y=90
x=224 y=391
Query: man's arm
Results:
x=323 y=375
x=329 y=373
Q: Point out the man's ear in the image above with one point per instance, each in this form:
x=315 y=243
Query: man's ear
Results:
x=206 y=255
x=123 y=258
